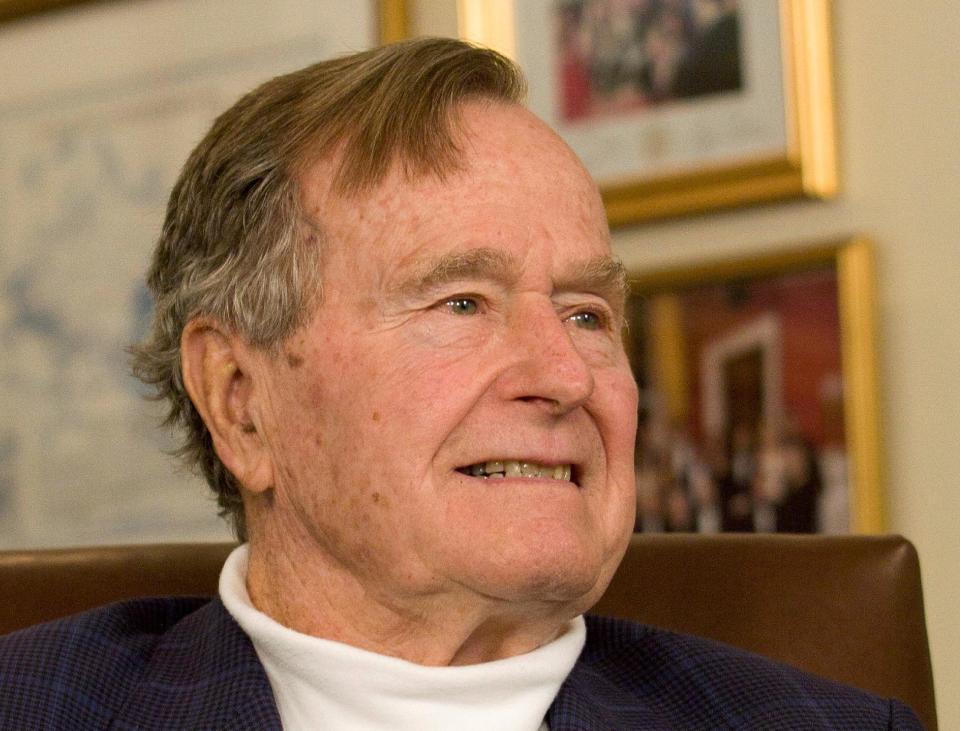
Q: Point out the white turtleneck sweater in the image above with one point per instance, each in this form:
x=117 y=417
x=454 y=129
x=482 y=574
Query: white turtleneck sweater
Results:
x=319 y=683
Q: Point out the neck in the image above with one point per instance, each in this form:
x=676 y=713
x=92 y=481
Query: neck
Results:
x=438 y=625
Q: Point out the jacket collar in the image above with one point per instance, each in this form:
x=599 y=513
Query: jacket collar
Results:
x=203 y=673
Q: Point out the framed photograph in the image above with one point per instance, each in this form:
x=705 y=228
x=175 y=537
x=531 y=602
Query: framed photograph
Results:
x=758 y=383
x=677 y=106
x=100 y=104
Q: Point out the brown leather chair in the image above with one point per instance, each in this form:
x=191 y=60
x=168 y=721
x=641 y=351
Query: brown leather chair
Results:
x=848 y=608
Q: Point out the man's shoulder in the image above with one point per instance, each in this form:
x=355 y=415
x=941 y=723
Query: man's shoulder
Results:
x=80 y=671
x=115 y=638
x=700 y=683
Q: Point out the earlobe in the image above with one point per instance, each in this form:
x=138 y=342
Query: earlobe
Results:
x=219 y=375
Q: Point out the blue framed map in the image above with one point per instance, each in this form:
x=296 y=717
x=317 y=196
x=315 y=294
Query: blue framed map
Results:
x=87 y=158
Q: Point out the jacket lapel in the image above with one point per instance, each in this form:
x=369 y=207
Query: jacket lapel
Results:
x=599 y=694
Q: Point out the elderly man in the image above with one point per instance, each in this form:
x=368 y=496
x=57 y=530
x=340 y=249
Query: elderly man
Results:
x=389 y=321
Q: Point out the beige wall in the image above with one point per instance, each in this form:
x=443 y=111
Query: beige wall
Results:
x=899 y=125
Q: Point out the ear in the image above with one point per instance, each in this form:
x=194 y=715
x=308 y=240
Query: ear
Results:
x=219 y=373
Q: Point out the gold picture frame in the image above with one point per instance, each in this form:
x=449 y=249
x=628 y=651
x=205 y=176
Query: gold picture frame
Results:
x=664 y=303
x=802 y=164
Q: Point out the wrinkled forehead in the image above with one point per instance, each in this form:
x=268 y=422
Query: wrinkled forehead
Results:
x=499 y=146
x=517 y=188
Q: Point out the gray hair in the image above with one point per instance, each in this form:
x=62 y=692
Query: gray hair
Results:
x=236 y=245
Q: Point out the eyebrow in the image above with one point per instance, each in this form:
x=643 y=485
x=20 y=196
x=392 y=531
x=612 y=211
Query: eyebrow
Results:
x=601 y=275
x=604 y=276
x=479 y=263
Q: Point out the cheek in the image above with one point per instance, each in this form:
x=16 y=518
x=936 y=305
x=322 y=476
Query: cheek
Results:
x=331 y=440
x=618 y=402
x=616 y=415
x=405 y=380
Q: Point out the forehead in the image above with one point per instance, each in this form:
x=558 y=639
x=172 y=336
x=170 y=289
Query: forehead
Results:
x=518 y=188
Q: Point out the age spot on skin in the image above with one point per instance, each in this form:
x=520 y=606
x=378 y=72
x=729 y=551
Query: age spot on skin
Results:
x=376 y=497
x=294 y=360
x=376 y=416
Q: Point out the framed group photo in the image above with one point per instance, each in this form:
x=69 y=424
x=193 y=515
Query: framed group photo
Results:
x=677 y=106
x=758 y=409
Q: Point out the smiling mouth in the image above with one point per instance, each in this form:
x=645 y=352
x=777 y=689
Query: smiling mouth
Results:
x=499 y=469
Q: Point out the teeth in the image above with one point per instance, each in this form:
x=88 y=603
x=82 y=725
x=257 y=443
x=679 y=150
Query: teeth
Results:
x=514 y=468
x=529 y=470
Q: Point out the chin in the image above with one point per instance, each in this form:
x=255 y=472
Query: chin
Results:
x=553 y=571
x=579 y=573
x=551 y=549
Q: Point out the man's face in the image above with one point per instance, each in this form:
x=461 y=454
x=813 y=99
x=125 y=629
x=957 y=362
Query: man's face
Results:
x=469 y=330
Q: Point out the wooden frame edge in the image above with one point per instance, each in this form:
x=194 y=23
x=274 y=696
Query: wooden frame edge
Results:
x=393 y=20
x=858 y=306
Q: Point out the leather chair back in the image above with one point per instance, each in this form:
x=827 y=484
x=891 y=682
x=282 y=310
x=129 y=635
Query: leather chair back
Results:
x=848 y=608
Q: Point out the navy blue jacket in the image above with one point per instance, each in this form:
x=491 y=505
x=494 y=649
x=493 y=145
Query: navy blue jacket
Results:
x=184 y=663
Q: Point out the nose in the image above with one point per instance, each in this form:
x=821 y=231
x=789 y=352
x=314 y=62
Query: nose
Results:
x=546 y=368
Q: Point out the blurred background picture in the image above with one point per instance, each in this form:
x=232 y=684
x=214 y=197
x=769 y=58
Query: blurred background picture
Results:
x=742 y=406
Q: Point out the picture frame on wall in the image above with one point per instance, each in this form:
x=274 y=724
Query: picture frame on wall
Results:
x=677 y=107
x=759 y=398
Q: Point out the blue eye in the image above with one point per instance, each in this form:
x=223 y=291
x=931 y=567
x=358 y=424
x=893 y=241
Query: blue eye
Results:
x=587 y=320
x=462 y=306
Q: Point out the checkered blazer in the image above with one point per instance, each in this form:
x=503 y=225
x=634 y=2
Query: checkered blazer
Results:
x=184 y=663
